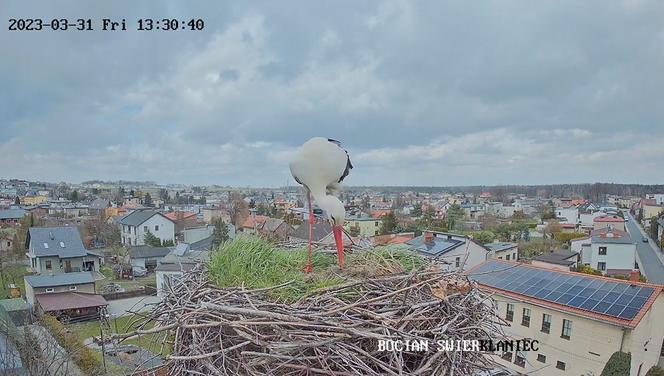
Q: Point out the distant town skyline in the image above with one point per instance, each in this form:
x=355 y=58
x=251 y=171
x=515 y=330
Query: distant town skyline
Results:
x=420 y=94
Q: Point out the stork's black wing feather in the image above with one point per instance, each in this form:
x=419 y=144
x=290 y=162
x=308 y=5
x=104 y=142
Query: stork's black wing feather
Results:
x=349 y=165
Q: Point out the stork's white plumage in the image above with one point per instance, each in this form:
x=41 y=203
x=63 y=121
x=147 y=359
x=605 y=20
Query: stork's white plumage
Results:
x=320 y=165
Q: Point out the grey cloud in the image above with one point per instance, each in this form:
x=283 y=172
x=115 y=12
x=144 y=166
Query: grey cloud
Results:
x=419 y=92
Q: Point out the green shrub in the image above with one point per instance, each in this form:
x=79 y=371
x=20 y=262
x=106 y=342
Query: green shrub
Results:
x=618 y=364
x=82 y=355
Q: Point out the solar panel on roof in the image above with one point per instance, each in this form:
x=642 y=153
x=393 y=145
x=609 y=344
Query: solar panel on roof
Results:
x=617 y=299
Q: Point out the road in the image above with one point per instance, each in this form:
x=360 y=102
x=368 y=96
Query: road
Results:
x=650 y=264
x=120 y=307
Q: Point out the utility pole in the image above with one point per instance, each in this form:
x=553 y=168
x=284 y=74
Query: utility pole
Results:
x=102 y=315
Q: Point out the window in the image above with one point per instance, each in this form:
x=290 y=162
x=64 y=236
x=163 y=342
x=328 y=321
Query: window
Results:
x=48 y=265
x=500 y=257
x=376 y=232
x=520 y=359
x=546 y=323
x=376 y=224
x=567 y=329
x=509 y=316
x=156 y=227
x=525 y=319
x=560 y=365
x=50 y=289
x=507 y=257
x=9 y=244
x=72 y=288
x=541 y=358
x=514 y=256
x=602 y=251
x=457 y=261
x=507 y=356
x=145 y=228
x=601 y=266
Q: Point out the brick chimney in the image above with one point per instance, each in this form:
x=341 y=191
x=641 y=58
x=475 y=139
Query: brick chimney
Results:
x=634 y=276
x=428 y=236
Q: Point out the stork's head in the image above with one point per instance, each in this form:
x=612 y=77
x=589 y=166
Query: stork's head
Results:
x=336 y=214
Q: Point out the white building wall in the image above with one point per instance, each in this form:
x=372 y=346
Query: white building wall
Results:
x=618 y=256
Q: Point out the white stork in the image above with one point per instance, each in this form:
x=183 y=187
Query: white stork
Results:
x=320 y=165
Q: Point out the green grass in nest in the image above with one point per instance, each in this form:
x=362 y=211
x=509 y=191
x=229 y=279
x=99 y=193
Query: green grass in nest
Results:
x=254 y=262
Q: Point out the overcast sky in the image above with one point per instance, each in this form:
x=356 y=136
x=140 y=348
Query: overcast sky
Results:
x=419 y=93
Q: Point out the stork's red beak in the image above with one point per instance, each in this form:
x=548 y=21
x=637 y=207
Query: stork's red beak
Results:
x=338 y=239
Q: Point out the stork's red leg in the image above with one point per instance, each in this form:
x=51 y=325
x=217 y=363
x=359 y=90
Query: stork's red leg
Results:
x=308 y=268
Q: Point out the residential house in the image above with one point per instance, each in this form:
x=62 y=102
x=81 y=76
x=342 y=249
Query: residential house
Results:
x=181 y=259
x=503 y=250
x=57 y=250
x=557 y=260
x=35 y=285
x=98 y=207
x=567 y=215
x=135 y=225
x=579 y=320
x=252 y=223
x=612 y=221
x=194 y=234
x=363 y=225
x=11 y=216
x=214 y=212
x=147 y=256
x=182 y=219
x=455 y=252
x=275 y=228
x=322 y=234
x=613 y=252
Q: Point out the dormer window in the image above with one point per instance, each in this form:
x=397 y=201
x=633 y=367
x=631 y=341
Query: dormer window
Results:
x=62 y=244
x=46 y=245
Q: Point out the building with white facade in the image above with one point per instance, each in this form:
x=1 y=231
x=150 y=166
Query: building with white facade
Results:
x=579 y=320
x=454 y=252
x=135 y=225
x=613 y=252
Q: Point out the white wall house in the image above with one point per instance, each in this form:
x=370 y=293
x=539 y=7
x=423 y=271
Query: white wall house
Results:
x=571 y=215
x=576 y=333
x=454 y=252
x=611 y=251
x=136 y=224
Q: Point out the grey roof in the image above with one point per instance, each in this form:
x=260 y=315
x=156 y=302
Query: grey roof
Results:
x=321 y=230
x=439 y=246
x=55 y=238
x=559 y=258
x=12 y=213
x=139 y=216
x=500 y=246
x=148 y=251
x=272 y=224
x=99 y=203
x=61 y=279
x=202 y=245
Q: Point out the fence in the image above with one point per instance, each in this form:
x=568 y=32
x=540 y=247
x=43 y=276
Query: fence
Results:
x=148 y=290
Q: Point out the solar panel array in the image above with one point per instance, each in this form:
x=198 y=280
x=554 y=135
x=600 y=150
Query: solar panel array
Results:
x=617 y=299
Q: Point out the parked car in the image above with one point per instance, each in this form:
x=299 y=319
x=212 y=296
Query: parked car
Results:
x=645 y=239
x=139 y=271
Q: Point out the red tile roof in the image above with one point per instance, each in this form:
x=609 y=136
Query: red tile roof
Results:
x=181 y=214
x=609 y=219
x=578 y=311
x=251 y=223
x=379 y=213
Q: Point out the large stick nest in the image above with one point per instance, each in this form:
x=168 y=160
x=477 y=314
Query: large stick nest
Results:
x=333 y=331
